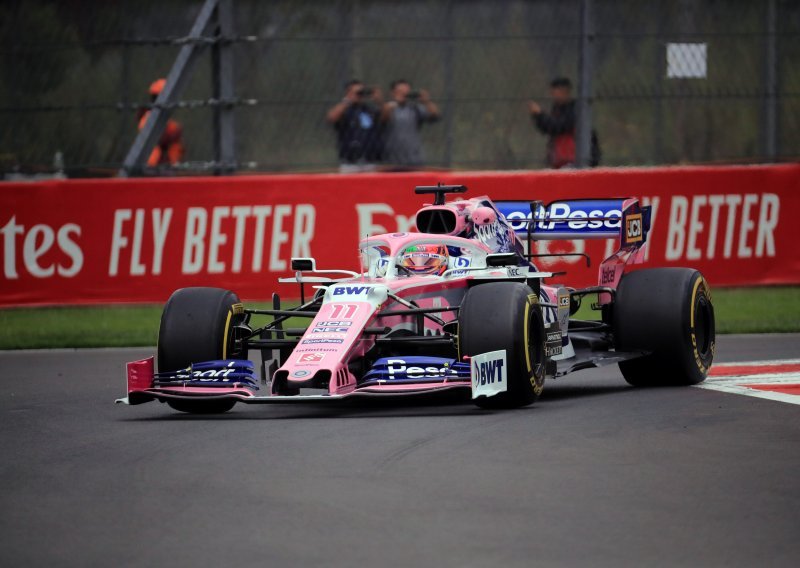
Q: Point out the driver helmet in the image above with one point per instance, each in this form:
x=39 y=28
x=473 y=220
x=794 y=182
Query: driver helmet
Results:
x=425 y=259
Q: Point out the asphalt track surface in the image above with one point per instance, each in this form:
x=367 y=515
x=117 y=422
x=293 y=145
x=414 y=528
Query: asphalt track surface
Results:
x=596 y=473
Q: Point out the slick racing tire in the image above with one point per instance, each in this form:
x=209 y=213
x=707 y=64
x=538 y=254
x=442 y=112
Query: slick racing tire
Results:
x=195 y=326
x=506 y=316
x=668 y=313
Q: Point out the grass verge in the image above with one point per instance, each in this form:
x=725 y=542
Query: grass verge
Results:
x=738 y=310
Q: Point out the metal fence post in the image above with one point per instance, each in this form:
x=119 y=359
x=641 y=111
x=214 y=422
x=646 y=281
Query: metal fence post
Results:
x=659 y=67
x=223 y=77
x=770 y=121
x=449 y=91
x=583 y=146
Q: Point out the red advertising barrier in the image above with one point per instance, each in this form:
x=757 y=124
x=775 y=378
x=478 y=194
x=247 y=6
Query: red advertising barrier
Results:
x=136 y=240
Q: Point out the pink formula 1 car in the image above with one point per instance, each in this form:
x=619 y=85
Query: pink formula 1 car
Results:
x=457 y=306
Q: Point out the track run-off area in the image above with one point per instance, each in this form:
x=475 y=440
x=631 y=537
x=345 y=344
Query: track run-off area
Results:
x=595 y=473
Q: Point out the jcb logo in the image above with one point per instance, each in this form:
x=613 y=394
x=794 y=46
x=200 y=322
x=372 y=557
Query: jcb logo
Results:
x=633 y=228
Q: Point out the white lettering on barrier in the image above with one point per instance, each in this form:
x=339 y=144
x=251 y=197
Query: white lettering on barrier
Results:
x=240 y=213
x=10 y=232
x=732 y=201
x=218 y=246
x=366 y=211
x=31 y=252
x=279 y=237
x=160 y=227
x=216 y=239
x=71 y=249
x=746 y=225
x=36 y=243
x=695 y=227
x=304 y=220
x=767 y=223
x=368 y=226
x=193 y=242
x=119 y=241
x=714 y=201
x=701 y=227
x=686 y=230
x=260 y=212
x=677 y=227
x=137 y=268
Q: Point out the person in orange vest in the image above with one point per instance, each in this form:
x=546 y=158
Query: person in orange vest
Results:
x=169 y=150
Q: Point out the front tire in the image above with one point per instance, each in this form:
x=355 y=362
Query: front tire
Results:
x=195 y=327
x=506 y=316
x=668 y=312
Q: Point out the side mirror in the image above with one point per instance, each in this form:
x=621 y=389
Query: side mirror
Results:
x=502 y=259
x=303 y=264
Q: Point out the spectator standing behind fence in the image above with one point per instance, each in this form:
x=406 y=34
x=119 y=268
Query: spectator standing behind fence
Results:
x=358 y=129
x=404 y=116
x=559 y=125
x=169 y=150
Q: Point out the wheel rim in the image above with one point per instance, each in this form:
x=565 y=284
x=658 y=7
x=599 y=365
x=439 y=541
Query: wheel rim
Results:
x=535 y=345
x=703 y=325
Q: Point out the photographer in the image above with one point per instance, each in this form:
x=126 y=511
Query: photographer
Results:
x=404 y=116
x=356 y=120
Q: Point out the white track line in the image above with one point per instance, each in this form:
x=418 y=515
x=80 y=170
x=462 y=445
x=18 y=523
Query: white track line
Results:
x=736 y=384
x=757 y=363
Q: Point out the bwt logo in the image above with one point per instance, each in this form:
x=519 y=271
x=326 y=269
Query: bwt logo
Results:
x=489 y=372
x=351 y=290
x=633 y=228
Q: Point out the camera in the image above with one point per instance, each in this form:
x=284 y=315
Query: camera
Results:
x=413 y=95
x=365 y=92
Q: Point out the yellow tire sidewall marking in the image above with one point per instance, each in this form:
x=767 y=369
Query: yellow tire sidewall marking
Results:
x=225 y=335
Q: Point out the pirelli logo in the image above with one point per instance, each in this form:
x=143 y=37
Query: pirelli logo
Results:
x=633 y=228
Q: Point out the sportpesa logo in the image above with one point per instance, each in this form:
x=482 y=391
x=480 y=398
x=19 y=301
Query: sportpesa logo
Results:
x=597 y=216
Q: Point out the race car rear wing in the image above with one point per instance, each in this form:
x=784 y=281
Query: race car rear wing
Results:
x=580 y=219
x=587 y=219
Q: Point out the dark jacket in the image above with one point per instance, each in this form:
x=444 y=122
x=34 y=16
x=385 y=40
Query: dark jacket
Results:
x=561 y=122
x=359 y=134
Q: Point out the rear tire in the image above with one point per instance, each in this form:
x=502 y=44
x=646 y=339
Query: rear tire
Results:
x=668 y=312
x=195 y=327
x=506 y=316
